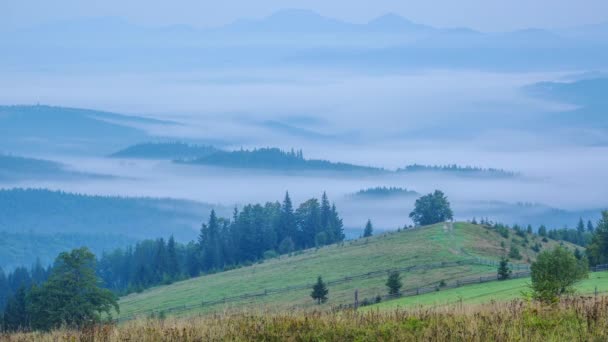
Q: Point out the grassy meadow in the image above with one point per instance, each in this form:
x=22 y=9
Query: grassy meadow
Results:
x=427 y=245
x=500 y=291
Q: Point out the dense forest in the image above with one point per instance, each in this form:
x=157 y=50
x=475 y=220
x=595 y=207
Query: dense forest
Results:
x=254 y=233
x=174 y=150
x=459 y=170
x=384 y=192
x=275 y=159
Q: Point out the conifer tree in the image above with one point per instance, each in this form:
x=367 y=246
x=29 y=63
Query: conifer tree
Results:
x=504 y=271
x=319 y=291
x=172 y=261
x=542 y=231
x=394 y=283
x=590 y=227
x=369 y=229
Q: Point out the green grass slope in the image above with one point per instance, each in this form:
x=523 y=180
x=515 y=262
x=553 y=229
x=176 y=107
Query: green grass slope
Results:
x=483 y=293
x=434 y=244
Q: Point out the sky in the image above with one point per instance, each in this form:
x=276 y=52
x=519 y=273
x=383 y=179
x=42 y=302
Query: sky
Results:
x=484 y=15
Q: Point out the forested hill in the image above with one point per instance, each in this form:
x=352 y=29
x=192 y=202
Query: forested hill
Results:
x=459 y=170
x=276 y=159
x=13 y=167
x=383 y=192
x=174 y=150
x=42 y=222
x=45 y=211
x=17 y=168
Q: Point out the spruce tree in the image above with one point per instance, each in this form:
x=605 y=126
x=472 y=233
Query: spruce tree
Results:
x=542 y=231
x=319 y=291
x=173 y=268
x=394 y=283
x=580 y=227
x=16 y=316
x=369 y=229
x=504 y=271
x=590 y=227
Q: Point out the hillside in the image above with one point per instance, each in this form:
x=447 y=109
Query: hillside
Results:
x=275 y=159
x=42 y=223
x=175 y=150
x=359 y=264
x=39 y=128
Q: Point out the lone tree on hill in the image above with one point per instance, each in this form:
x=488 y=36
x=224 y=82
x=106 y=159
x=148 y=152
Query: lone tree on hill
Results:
x=319 y=291
x=432 y=208
x=555 y=273
x=394 y=283
x=504 y=271
x=369 y=229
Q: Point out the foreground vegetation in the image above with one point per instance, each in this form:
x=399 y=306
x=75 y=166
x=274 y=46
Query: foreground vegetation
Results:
x=573 y=319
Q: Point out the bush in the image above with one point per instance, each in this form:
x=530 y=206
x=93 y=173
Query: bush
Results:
x=555 y=273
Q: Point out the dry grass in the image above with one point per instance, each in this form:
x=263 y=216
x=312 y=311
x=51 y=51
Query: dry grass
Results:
x=575 y=319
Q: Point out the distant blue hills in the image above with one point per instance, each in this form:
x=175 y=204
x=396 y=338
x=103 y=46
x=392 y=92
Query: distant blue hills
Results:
x=297 y=36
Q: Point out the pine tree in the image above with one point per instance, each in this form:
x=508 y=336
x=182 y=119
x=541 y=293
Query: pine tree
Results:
x=542 y=231
x=173 y=268
x=590 y=227
x=319 y=291
x=287 y=220
x=394 y=283
x=337 y=226
x=504 y=271
x=325 y=213
x=369 y=229
x=16 y=316
x=580 y=227
x=529 y=229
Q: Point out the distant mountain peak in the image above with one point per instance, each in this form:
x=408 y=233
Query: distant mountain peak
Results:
x=394 y=21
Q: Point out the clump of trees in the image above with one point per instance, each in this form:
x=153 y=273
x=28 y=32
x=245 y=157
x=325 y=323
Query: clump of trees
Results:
x=254 y=233
x=70 y=297
x=555 y=273
x=432 y=208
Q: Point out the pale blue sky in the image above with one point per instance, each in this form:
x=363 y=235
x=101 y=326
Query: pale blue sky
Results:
x=485 y=15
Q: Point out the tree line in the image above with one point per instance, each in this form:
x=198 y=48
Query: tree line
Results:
x=254 y=233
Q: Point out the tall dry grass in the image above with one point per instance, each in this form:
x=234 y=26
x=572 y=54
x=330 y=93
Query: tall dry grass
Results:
x=575 y=319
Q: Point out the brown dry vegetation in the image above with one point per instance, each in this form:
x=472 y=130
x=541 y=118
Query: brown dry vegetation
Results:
x=574 y=319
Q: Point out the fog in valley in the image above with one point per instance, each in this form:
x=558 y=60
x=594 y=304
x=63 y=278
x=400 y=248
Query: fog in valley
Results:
x=386 y=93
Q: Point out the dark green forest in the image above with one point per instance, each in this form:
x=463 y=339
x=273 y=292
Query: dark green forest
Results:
x=384 y=192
